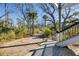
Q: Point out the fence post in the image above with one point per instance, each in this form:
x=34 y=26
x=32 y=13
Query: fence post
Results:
x=59 y=36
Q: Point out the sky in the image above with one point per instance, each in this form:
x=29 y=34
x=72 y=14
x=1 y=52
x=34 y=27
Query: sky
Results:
x=15 y=15
x=10 y=7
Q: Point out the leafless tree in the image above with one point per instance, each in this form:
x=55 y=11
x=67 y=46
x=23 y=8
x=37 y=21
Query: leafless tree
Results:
x=68 y=15
x=28 y=14
x=50 y=10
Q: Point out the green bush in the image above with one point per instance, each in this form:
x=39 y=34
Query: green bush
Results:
x=13 y=34
x=21 y=32
x=9 y=35
x=47 y=31
x=2 y=36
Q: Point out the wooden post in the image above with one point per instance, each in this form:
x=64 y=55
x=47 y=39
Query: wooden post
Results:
x=59 y=36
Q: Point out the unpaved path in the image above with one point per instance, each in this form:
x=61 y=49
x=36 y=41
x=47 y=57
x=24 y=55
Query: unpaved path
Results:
x=24 y=49
x=19 y=50
x=74 y=48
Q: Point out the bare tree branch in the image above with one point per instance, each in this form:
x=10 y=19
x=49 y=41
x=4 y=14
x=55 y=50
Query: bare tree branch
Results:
x=5 y=14
x=47 y=9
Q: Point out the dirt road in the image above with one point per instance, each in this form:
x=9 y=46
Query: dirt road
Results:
x=19 y=50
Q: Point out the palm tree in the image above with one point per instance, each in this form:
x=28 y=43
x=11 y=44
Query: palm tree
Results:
x=32 y=15
x=45 y=17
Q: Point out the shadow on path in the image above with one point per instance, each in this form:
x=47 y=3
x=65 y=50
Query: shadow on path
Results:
x=53 y=51
x=47 y=51
x=19 y=45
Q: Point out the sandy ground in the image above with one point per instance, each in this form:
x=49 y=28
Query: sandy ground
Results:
x=20 y=50
x=74 y=48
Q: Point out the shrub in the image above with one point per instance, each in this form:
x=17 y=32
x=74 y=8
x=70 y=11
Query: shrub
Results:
x=47 y=31
x=21 y=32
x=9 y=35
x=37 y=30
x=2 y=36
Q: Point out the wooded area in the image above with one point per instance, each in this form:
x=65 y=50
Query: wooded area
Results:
x=27 y=24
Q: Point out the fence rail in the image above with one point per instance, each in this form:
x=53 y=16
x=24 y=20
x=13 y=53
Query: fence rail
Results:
x=70 y=31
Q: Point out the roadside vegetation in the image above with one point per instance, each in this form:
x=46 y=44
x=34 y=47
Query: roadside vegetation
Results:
x=27 y=24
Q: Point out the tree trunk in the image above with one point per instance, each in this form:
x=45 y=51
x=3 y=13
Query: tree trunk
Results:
x=32 y=26
x=45 y=23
